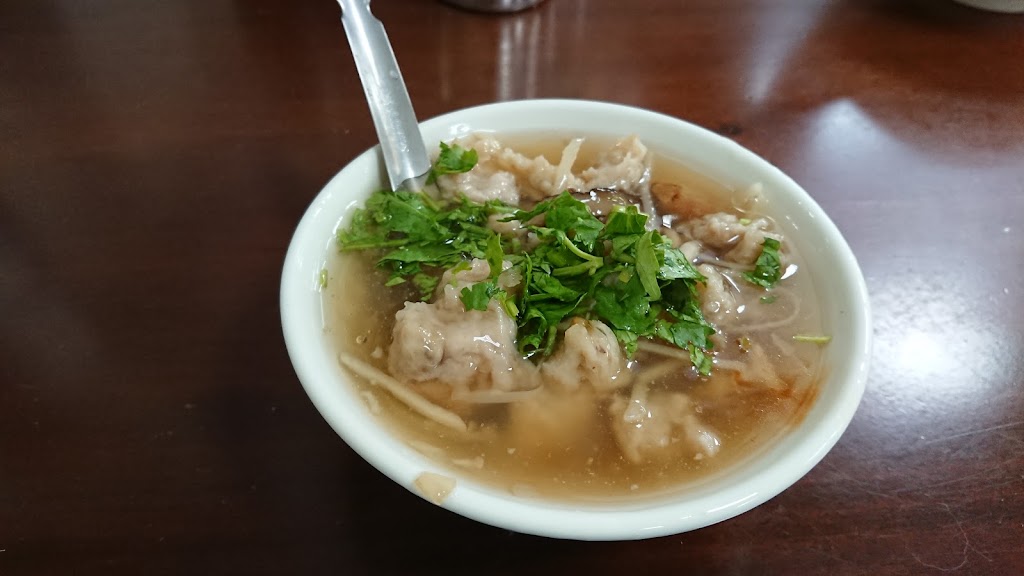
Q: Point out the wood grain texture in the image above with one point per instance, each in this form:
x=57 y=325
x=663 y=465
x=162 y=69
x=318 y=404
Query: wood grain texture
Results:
x=155 y=158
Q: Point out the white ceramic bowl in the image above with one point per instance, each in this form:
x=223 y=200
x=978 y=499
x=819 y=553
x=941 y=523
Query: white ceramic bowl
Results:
x=829 y=260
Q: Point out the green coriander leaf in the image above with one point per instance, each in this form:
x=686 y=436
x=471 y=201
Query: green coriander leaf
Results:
x=626 y=220
x=362 y=233
x=549 y=340
x=525 y=216
x=322 y=279
x=575 y=219
x=412 y=214
x=400 y=271
x=494 y=255
x=555 y=312
x=568 y=244
x=420 y=253
x=626 y=306
x=647 y=266
x=622 y=247
x=390 y=219
x=581 y=268
x=700 y=360
x=628 y=340
x=768 y=268
x=460 y=266
x=476 y=296
x=539 y=325
x=683 y=333
x=768 y=299
x=585 y=263
x=533 y=328
x=426 y=283
x=567 y=215
x=508 y=303
x=548 y=285
x=677 y=266
x=453 y=159
x=681 y=298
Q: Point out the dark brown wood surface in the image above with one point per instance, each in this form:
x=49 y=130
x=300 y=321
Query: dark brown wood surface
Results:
x=156 y=156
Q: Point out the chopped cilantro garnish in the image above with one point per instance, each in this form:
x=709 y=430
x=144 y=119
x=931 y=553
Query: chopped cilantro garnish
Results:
x=768 y=268
x=426 y=283
x=454 y=159
x=476 y=296
x=418 y=238
x=322 y=280
x=769 y=299
x=647 y=266
x=617 y=272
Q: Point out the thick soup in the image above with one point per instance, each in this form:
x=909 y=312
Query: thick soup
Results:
x=575 y=318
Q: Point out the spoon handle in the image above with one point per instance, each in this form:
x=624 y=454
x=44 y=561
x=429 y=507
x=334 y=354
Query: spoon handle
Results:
x=405 y=157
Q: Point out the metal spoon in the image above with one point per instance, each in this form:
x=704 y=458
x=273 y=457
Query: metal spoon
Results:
x=405 y=157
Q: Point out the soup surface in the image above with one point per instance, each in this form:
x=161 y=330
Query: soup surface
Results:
x=590 y=418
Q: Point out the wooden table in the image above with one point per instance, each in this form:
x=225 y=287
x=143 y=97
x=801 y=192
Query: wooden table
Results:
x=155 y=158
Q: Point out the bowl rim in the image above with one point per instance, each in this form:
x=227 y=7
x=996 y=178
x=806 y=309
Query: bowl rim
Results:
x=348 y=416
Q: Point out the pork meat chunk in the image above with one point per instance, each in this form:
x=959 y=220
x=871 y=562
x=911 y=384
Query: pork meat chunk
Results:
x=740 y=240
x=717 y=299
x=589 y=354
x=465 y=349
x=553 y=420
x=621 y=167
x=660 y=426
x=481 y=186
x=504 y=174
x=673 y=200
x=485 y=181
x=538 y=178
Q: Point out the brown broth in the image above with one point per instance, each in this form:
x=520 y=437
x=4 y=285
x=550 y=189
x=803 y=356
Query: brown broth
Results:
x=590 y=467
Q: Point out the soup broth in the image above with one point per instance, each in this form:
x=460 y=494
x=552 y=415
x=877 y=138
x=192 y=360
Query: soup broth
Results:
x=568 y=446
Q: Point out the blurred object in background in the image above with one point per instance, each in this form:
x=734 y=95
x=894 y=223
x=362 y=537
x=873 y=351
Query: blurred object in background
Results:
x=494 y=5
x=1008 y=6
x=523 y=51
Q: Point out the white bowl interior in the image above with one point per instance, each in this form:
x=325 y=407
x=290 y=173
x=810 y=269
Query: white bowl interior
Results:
x=828 y=259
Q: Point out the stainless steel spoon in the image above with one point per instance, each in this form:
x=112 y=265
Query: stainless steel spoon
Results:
x=405 y=156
